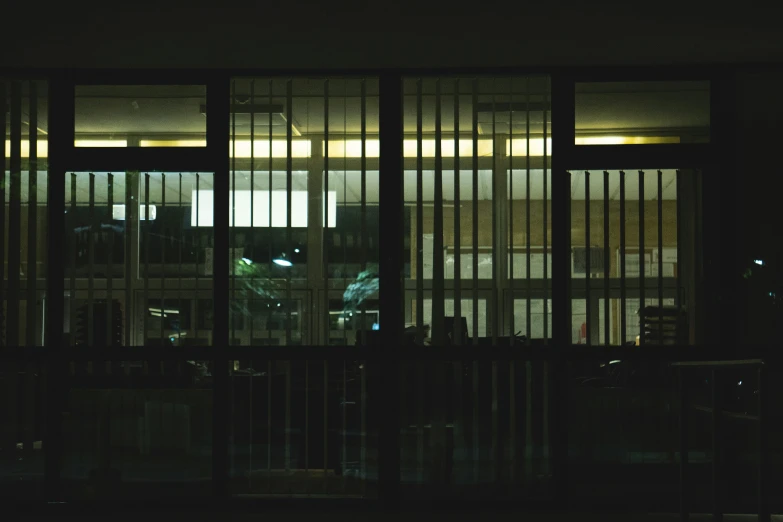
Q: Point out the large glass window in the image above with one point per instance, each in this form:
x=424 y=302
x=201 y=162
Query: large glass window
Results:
x=633 y=237
x=140 y=116
x=304 y=207
x=642 y=113
x=138 y=258
x=23 y=216
x=477 y=187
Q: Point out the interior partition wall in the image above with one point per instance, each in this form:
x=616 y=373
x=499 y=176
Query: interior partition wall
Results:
x=192 y=268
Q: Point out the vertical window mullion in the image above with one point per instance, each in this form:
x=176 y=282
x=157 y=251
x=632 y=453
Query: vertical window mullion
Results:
x=32 y=221
x=14 y=216
x=641 y=257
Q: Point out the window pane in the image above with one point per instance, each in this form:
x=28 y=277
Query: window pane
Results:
x=23 y=216
x=477 y=188
x=628 y=238
x=140 y=116
x=619 y=113
x=138 y=260
x=304 y=208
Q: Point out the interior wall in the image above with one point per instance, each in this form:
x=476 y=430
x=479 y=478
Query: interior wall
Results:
x=537 y=225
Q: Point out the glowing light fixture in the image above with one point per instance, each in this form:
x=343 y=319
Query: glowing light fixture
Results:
x=247 y=261
x=625 y=140
x=759 y=262
x=118 y=212
x=100 y=143
x=202 y=211
x=172 y=143
x=261 y=148
x=282 y=261
x=410 y=148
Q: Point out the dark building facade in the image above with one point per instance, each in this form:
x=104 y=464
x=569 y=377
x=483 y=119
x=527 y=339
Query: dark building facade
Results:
x=576 y=248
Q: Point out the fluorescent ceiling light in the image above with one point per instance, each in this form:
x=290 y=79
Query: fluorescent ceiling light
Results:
x=410 y=148
x=118 y=212
x=625 y=140
x=172 y=143
x=202 y=210
x=260 y=149
x=352 y=148
x=42 y=148
x=100 y=143
x=519 y=147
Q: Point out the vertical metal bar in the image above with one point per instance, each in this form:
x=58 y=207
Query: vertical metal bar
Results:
x=91 y=264
x=528 y=312
x=271 y=229
x=496 y=455
x=684 y=405
x=163 y=239
x=61 y=128
x=660 y=257
x=344 y=451
x=307 y=425
x=72 y=293
x=763 y=406
x=419 y=218
x=475 y=287
x=508 y=302
x=2 y=196
x=269 y=414
x=392 y=304
x=546 y=238
x=641 y=257
x=326 y=426
x=588 y=267
x=363 y=202
x=457 y=280
x=218 y=136
x=110 y=264
x=147 y=246
x=496 y=252
x=180 y=240
x=233 y=195
x=717 y=413
x=476 y=446
x=623 y=317
x=363 y=368
x=288 y=418
x=196 y=249
x=32 y=219
x=251 y=297
x=288 y=192
x=325 y=198
x=607 y=262
x=438 y=297
x=420 y=391
x=14 y=217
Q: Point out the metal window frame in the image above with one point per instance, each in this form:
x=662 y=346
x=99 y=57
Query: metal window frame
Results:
x=64 y=157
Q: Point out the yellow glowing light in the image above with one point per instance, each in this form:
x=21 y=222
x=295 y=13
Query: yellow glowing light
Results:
x=625 y=140
x=42 y=147
x=260 y=149
x=100 y=143
x=353 y=149
x=410 y=148
x=518 y=147
x=173 y=143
